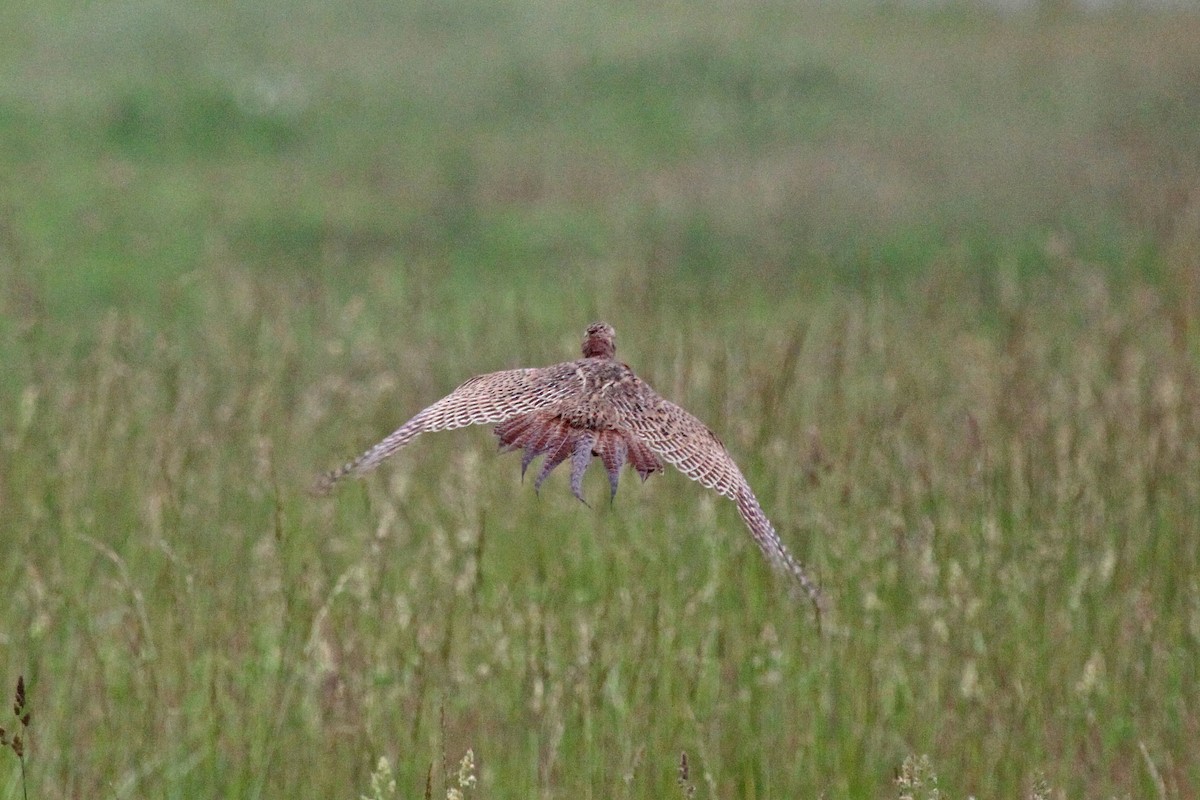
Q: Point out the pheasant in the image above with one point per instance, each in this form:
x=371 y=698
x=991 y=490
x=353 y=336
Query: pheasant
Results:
x=593 y=407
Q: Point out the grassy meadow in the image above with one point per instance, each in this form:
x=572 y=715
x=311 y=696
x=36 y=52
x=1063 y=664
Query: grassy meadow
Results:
x=932 y=275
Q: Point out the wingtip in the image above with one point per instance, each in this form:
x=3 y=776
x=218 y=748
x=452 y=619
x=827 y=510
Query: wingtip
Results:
x=806 y=590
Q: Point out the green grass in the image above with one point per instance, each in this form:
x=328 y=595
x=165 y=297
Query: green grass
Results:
x=931 y=276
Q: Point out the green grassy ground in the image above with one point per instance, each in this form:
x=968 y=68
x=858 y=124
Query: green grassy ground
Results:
x=932 y=277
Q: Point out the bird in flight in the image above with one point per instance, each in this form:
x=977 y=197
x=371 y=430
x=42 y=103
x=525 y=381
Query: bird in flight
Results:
x=593 y=407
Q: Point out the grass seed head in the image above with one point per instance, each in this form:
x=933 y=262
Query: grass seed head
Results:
x=917 y=779
x=685 y=784
x=383 y=781
x=466 y=770
x=19 y=699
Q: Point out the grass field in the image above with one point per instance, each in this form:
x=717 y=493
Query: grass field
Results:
x=933 y=276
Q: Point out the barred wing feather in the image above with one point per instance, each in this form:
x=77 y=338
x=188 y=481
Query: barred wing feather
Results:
x=480 y=400
x=690 y=446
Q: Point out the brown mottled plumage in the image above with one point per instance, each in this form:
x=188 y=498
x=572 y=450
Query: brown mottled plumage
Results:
x=594 y=407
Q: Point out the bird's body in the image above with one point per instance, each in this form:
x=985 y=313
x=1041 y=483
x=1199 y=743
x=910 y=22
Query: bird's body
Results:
x=593 y=407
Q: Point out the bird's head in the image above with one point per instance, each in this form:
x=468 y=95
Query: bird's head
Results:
x=600 y=341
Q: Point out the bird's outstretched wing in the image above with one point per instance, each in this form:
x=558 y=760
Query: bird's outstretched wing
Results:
x=493 y=397
x=688 y=444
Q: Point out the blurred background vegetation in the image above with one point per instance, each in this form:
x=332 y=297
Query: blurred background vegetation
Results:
x=474 y=148
x=931 y=269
